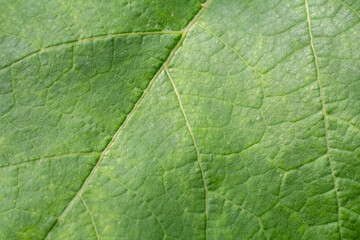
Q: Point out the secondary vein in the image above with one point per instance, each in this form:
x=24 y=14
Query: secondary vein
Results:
x=138 y=196
x=349 y=7
x=196 y=147
x=51 y=158
x=91 y=216
x=70 y=43
x=231 y=48
x=249 y=212
x=323 y=111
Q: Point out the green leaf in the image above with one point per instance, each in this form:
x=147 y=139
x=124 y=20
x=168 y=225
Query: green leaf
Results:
x=157 y=119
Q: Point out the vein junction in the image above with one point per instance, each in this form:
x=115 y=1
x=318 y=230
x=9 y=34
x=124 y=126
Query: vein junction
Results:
x=184 y=33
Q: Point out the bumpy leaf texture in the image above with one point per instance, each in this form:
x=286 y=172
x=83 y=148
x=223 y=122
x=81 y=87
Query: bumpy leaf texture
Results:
x=158 y=119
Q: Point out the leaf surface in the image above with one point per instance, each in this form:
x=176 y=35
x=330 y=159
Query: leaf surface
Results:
x=180 y=119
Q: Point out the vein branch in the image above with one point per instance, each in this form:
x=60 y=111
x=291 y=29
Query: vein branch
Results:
x=51 y=158
x=138 y=196
x=324 y=112
x=196 y=147
x=249 y=212
x=71 y=43
x=91 y=216
x=231 y=48
x=345 y=121
x=349 y=7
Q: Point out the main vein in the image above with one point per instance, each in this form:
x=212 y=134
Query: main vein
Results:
x=184 y=33
x=323 y=111
x=196 y=147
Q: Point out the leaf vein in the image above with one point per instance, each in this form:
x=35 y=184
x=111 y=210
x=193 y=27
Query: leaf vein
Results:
x=349 y=7
x=86 y=40
x=91 y=216
x=321 y=90
x=50 y=158
x=197 y=150
x=137 y=195
x=107 y=148
x=249 y=212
